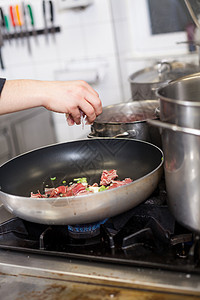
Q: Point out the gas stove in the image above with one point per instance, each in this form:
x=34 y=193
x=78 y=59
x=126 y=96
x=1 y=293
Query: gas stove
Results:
x=145 y=238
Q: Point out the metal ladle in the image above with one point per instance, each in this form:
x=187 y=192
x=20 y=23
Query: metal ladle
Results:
x=194 y=18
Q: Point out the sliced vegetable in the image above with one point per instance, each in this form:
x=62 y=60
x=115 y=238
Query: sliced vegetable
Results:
x=81 y=180
x=102 y=188
x=80 y=186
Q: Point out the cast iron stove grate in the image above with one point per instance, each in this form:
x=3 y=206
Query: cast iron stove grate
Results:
x=146 y=236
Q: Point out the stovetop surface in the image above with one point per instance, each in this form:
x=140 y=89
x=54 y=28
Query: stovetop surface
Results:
x=146 y=236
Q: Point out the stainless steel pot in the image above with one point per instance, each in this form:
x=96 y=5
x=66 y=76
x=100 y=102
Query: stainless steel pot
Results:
x=128 y=120
x=144 y=83
x=181 y=148
x=180 y=101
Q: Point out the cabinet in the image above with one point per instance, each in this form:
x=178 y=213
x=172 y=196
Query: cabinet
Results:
x=24 y=131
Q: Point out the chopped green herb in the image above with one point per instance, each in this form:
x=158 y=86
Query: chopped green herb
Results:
x=102 y=188
x=53 y=178
x=81 y=180
x=76 y=179
x=64 y=181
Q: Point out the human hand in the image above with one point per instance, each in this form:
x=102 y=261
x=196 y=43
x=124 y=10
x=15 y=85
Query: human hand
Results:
x=74 y=98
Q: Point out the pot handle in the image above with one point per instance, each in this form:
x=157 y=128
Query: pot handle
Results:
x=90 y=135
x=174 y=127
x=157 y=112
x=129 y=133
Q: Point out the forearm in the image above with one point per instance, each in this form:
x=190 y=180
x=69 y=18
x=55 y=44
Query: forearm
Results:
x=69 y=97
x=18 y=95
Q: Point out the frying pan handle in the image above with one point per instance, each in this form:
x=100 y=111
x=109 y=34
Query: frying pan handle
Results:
x=174 y=127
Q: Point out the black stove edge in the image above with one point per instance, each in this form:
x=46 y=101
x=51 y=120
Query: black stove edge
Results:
x=99 y=259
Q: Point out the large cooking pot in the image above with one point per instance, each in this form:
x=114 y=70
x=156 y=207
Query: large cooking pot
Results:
x=180 y=123
x=138 y=160
x=180 y=101
x=128 y=120
x=144 y=83
x=181 y=148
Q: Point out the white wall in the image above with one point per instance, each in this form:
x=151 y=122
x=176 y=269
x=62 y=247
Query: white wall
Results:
x=99 y=37
x=137 y=47
x=86 y=37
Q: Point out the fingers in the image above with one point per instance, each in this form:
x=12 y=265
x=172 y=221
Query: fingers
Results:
x=89 y=111
x=72 y=98
x=88 y=93
x=69 y=119
x=92 y=97
x=74 y=116
x=85 y=109
x=86 y=100
x=95 y=102
x=87 y=86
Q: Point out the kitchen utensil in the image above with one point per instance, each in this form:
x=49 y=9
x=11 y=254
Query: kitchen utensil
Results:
x=181 y=148
x=52 y=18
x=128 y=120
x=13 y=23
x=1 y=58
x=26 y=28
x=1 y=44
x=32 y=21
x=45 y=20
x=145 y=82
x=192 y=13
x=180 y=101
x=180 y=112
x=7 y=26
x=19 y=21
x=3 y=25
x=136 y=159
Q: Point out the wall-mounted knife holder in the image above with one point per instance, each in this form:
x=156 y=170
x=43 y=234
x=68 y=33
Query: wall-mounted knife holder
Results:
x=22 y=34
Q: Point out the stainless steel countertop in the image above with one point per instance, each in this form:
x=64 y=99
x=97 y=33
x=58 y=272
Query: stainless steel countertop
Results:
x=16 y=268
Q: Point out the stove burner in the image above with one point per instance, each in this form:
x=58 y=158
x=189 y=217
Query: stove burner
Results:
x=85 y=230
x=146 y=236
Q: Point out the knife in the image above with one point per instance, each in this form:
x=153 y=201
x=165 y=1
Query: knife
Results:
x=13 y=23
x=3 y=25
x=26 y=29
x=7 y=26
x=19 y=22
x=45 y=20
x=1 y=44
x=32 y=22
x=52 y=18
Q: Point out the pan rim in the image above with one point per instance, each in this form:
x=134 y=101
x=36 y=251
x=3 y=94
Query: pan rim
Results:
x=16 y=197
x=74 y=141
x=121 y=104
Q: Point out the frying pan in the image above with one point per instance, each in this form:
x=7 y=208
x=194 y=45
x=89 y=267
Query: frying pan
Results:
x=29 y=172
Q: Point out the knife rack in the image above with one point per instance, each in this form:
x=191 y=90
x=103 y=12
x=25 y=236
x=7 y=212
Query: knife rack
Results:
x=29 y=33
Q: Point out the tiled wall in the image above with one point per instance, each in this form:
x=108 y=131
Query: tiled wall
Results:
x=99 y=37
x=87 y=36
